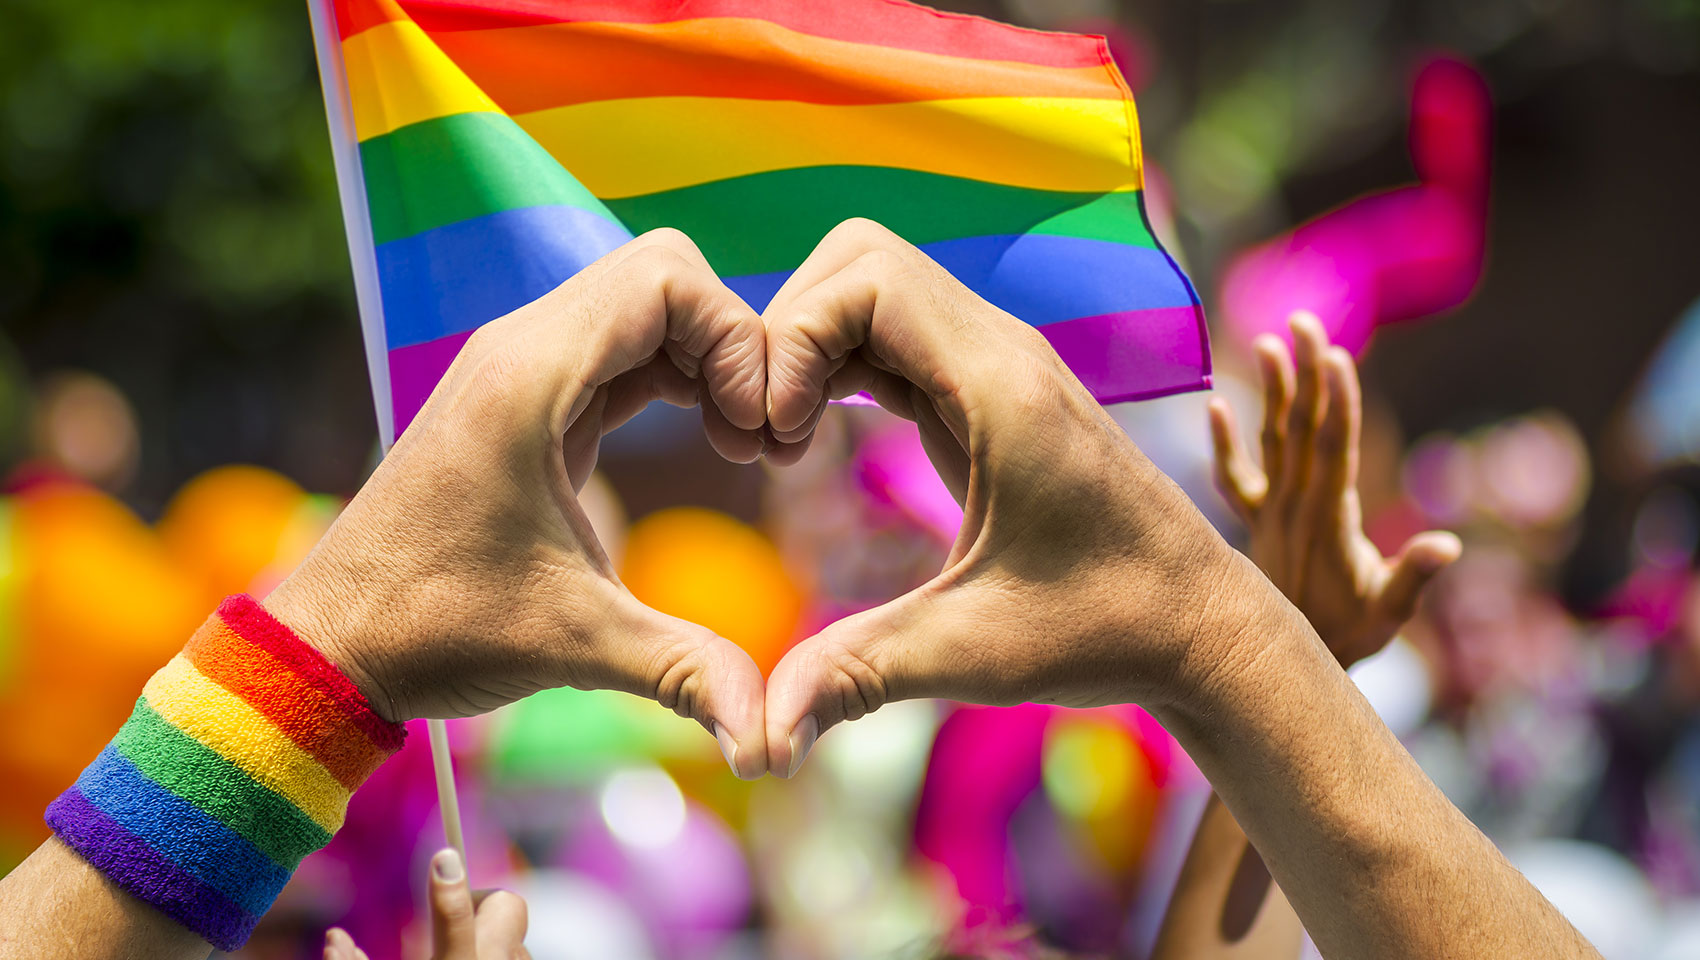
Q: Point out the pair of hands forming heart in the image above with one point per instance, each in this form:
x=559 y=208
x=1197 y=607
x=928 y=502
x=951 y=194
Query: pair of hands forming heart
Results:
x=464 y=574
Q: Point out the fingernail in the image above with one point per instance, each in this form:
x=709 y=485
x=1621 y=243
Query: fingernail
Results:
x=446 y=866
x=728 y=748
x=337 y=943
x=803 y=737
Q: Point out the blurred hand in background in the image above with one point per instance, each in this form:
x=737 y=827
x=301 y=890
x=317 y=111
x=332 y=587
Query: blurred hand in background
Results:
x=487 y=925
x=1301 y=508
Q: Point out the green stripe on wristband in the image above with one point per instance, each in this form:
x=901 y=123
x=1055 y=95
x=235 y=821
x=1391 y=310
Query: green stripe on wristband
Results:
x=193 y=771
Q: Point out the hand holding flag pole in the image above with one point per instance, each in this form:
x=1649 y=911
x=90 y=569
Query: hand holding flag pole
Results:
x=352 y=189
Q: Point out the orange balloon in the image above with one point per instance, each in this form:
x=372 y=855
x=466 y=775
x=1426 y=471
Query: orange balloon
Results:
x=709 y=568
x=100 y=606
x=232 y=527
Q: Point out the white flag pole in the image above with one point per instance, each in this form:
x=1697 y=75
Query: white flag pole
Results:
x=351 y=186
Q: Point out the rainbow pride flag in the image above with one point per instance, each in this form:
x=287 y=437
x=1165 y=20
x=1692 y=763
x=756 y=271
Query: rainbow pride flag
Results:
x=489 y=149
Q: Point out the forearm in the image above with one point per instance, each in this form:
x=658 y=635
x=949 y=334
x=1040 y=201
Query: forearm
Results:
x=1224 y=905
x=56 y=905
x=1372 y=856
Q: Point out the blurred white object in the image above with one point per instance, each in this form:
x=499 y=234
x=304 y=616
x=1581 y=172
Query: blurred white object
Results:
x=643 y=807
x=877 y=762
x=1397 y=684
x=1681 y=939
x=1598 y=891
x=1662 y=418
x=576 y=918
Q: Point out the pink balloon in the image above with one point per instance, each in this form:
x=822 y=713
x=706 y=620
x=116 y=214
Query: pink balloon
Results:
x=1405 y=253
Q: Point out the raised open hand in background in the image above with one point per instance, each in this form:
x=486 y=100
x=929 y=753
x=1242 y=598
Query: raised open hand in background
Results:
x=464 y=575
x=1302 y=511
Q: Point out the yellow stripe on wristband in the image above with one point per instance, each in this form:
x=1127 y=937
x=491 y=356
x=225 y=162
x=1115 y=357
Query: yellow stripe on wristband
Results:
x=226 y=724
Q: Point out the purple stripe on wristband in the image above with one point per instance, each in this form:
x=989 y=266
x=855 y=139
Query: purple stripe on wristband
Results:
x=147 y=874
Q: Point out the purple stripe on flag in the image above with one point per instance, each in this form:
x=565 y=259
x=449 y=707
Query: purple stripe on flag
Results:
x=1122 y=356
x=414 y=372
x=1136 y=354
x=146 y=873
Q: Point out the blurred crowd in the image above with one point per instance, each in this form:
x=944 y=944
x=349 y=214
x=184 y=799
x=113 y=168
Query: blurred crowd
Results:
x=180 y=301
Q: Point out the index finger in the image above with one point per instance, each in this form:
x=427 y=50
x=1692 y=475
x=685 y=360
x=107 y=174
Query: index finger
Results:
x=864 y=286
x=615 y=316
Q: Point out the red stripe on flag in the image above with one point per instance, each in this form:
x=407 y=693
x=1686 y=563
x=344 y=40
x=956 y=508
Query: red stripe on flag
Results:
x=886 y=23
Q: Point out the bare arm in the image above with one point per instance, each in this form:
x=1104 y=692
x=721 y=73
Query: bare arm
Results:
x=1224 y=905
x=1083 y=576
x=1375 y=860
x=55 y=905
x=1305 y=526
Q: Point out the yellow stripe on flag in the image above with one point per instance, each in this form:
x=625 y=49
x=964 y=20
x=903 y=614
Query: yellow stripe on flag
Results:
x=626 y=148
x=397 y=76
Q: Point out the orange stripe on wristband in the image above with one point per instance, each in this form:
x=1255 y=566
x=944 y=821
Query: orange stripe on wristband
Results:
x=306 y=714
x=245 y=615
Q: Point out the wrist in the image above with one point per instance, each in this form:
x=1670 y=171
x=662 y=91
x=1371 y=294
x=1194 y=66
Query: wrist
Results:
x=326 y=615
x=1245 y=631
x=237 y=761
x=1263 y=668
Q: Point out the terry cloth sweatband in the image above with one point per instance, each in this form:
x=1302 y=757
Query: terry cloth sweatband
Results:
x=237 y=762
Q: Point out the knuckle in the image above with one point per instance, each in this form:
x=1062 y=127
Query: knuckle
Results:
x=653 y=261
x=862 y=230
x=456 y=908
x=666 y=236
x=678 y=679
x=511 y=907
x=859 y=686
x=672 y=240
x=880 y=262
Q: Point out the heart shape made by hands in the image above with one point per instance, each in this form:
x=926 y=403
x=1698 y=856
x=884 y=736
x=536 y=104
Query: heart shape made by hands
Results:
x=482 y=580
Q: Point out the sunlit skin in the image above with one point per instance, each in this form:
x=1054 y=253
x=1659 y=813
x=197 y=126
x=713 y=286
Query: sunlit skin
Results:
x=464 y=576
x=1305 y=531
x=486 y=925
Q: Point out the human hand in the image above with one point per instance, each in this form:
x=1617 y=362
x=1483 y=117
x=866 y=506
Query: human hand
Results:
x=1302 y=509
x=464 y=575
x=1081 y=574
x=487 y=926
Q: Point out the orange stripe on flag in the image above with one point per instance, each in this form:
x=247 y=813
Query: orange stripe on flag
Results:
x=552 y=65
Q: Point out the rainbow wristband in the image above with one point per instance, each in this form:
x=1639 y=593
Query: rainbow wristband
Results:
x=237 y=762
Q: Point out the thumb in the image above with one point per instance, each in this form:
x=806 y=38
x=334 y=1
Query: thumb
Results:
x=454 y=929
x=502 y=920
x=699 y=674
x=1422 y=557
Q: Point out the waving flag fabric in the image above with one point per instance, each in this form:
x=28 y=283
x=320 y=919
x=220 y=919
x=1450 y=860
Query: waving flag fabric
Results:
x=489 y=149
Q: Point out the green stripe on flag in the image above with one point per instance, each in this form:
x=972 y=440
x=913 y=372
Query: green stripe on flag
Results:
x=455 y=168
x=768 y=222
